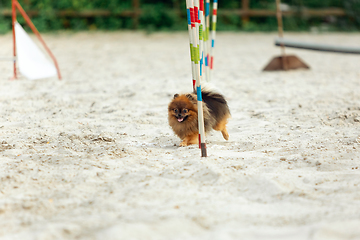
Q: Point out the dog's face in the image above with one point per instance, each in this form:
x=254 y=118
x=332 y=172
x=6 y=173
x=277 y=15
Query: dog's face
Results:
x=181 y=114
x=182 y=108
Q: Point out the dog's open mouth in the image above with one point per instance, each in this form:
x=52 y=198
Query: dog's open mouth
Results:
x=182 y=119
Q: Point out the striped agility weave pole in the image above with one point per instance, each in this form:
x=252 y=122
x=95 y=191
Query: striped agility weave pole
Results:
x=213 y=34
x=190 y=14
x=206 y=40
x=197 y=35
x=200 y=25
x=201 y=22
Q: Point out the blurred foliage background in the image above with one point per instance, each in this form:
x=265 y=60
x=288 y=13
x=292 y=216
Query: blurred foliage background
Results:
x=170 y=15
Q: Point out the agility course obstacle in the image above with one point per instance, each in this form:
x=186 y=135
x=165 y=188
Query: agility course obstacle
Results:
x=287 y=62
x=316 y=46
x=29 y=54
x=201 y=36
x=206 y=40
x=213 y=35
x=201 y=54
x=196 y=35
x=190 y=13
x=196 y=20
x=199 y=20
x=31 y=62
x=283 y=62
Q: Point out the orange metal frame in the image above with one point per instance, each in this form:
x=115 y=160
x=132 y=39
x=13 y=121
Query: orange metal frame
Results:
x=16 y=5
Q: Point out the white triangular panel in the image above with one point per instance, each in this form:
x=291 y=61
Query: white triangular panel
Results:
x=31 y=60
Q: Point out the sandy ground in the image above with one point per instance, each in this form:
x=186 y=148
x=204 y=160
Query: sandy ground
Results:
x=93 y=157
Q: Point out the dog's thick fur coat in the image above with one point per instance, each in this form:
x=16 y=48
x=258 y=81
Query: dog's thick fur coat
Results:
x=183 y=115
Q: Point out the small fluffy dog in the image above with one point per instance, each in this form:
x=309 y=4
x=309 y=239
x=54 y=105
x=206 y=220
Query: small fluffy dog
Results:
x=183 y=115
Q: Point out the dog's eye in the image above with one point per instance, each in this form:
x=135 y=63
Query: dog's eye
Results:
x=185 y=110
x=176 y=111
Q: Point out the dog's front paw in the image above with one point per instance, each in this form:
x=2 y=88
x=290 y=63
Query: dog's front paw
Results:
x=185 y=143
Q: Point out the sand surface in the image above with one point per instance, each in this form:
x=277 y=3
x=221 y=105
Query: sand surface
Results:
x=92 y=156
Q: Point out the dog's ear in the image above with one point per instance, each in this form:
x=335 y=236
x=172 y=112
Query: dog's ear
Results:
x=189 y=96
x=176 y=95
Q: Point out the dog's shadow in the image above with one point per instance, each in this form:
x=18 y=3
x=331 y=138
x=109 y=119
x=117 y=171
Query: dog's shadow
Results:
x=173 y=143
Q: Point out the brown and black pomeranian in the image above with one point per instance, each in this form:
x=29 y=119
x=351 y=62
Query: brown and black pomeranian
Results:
x=183 y=115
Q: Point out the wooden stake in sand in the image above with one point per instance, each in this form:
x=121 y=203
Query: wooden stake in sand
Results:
x=213 y=34
x=195 y=49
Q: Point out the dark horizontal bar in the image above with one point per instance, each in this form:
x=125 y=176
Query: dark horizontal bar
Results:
x=316 y=46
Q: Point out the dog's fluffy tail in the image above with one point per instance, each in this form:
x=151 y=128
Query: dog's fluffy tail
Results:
x=215 y=101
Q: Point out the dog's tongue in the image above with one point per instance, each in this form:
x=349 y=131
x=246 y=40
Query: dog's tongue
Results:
x=180 y=119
